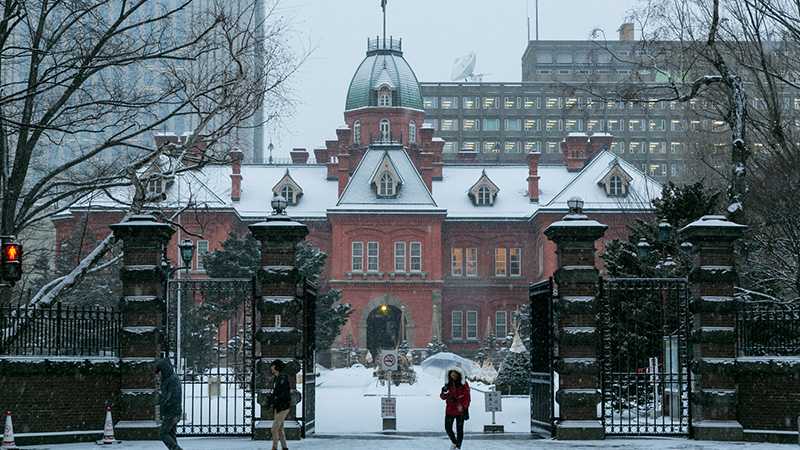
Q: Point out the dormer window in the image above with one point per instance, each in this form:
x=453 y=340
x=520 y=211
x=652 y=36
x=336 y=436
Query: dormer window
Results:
x=357 y=132
x=616 y=181
x=484 y=191
x=155 y=187
x=384 y=97
x=412 y=132
x=386 y=131
x=386 y=186
x=288 y=189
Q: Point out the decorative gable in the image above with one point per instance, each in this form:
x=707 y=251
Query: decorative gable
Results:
x=484 y=191
x=616 y=181
x=386 y=179
x=288 y=189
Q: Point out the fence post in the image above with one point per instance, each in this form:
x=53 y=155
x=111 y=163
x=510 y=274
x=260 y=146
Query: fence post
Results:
x=576 y=354
x=713 y=350
x=279 y=314
x=142 y=307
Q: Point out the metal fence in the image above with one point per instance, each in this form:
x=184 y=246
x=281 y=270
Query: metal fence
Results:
x=59 y=330
x=768 y=329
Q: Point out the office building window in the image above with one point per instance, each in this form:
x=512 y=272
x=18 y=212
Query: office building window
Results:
x=491 y=147
x=675 y=147
x=457 y=262
x=533 y=146
x=448 y=102
x=657 y=147
x=614 y=125
x=357 y=257
x=469 y=146
x=552 y=103
x=470 y=102
x=472 y=325
x=457 y=325
x=572 y=125
x=570 y=102
x=430 y=102
x=416 y=256
x=656 y=125
x=501 y=324
x=470 y=124
x=372 y=256
x=512 y=147
x=399 y=256
x=676 y=125
x=634 y=147
x=491 y=124
x=472 y=262
x=618 y=147
x=594 y=125
x=552 y=147
x=202 y=251
x=431 y=123
x=552 y=125
x=513 y=124
x=531 y=103
x=636 y=125
x=450 y=147
x=531 y=125
x=490 y=102
x=500 y=262
x=515 y=262
x=511 y=103
x=449 y=124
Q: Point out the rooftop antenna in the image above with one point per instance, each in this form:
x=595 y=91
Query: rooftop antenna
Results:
x=383 y=6
x=537 y=20
x=528 y=16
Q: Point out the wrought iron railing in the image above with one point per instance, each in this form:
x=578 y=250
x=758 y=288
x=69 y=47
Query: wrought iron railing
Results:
x=59 y=330
x=768 y=329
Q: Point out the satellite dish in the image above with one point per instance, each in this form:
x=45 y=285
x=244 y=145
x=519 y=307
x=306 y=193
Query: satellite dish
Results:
x=464 y=67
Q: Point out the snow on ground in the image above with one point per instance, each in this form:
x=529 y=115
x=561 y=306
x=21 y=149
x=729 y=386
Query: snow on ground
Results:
x=349 y=401
x=412 y=443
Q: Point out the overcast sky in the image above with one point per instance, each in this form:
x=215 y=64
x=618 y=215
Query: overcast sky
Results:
x=434 y=32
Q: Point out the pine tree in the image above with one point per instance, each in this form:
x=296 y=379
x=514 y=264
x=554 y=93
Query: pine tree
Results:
x=514 y=375
x=436 y=346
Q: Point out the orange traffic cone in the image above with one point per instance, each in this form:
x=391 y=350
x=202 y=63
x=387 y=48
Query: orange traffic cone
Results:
x=108 y=430
x=8 y=434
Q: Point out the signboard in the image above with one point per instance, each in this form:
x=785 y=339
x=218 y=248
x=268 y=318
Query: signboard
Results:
x=389 y=361
x=494 y=401
x=388 y=407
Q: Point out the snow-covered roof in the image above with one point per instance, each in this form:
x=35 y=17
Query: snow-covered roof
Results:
x=211 y=187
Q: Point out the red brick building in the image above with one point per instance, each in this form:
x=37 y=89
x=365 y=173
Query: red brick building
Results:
x=419 y=248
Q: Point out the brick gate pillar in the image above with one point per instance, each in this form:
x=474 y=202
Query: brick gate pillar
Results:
x=143 y=313
x=278 y=311
x=576 y=336
x=713 y=348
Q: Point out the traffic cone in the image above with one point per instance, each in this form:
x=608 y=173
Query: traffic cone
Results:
x=8 y=434
x=108 y=430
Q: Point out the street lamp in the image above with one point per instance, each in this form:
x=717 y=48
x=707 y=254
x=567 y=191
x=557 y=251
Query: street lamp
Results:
x=643 y=248
x=575 y=205
x=186 y=249
x=279 y=205
x=664 y=231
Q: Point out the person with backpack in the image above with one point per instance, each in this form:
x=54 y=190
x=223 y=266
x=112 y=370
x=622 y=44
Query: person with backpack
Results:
x=455 y=393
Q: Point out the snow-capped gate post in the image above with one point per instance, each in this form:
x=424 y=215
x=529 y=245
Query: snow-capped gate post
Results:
x=279 y=313
x=576 y=335
x=143 y=311
x=713 y=353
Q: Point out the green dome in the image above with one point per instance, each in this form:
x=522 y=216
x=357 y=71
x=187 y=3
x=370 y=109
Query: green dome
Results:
x=384 y=65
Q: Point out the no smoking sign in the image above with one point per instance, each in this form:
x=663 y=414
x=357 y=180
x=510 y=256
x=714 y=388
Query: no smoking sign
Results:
x=389 y=361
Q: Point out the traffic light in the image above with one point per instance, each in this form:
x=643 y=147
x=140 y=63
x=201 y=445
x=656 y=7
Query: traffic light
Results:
x=11 y=261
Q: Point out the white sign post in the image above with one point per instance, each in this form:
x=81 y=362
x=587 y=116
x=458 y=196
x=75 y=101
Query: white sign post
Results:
x=494 y=404
x=389 y=361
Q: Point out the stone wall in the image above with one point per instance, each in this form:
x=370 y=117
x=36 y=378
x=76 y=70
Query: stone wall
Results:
x=58 y=396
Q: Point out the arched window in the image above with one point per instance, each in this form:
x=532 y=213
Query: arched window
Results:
x=384 y=97
x=484 y=196
x=386 y=185
x=288 y=193
x=615 y=187
x=386 y=131
x=412 y=132
x=357 y=133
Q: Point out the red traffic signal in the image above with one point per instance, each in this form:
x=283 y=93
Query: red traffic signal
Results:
x=12 y=261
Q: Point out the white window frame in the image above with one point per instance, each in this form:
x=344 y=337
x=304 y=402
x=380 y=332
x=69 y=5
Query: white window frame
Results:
x=415 y=256
x=615 y=186
x=385 y=130
x=287 y=192
x=457 y=320
x=357 y=256
x=376 y=258
x=457 y=263
x=501 y=262
x=200 y=253
x=386 y=186
x=400 y=256
x=498 y=321
x=356 y=134
x=472 y=325
x=412 y=132
x=471 y=261
x=384 y=97
x=511 y=262
x=484 y=196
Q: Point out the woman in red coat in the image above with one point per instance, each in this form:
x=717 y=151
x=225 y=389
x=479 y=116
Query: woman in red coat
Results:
x=456 y=396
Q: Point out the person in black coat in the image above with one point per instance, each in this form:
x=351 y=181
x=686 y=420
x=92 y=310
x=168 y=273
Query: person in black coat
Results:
x=169 y=402
x=281 y=402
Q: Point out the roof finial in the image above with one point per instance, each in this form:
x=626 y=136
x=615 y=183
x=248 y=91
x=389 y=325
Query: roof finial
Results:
x=383 y=6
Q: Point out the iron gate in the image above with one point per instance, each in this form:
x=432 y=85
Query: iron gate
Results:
x=645 y=325
x=542 y=323
x=210 y=341
x=309 y=360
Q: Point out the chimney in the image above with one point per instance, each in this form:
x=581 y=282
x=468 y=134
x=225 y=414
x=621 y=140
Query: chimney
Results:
x=299 y=156
x=533 y=175
x=437 y=150
x=343 y=171
x=236 y=174
x=599 y=142
x=467 y=156
x=626 y=32
x=332 y=162
x=426 y=169
x=321 y=155
x=574 y=148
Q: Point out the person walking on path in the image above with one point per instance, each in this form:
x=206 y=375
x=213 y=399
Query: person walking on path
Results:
x=455 y=393
x=281 y=401
x=169 y=402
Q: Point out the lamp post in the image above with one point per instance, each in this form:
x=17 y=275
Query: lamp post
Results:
x=575 y=205
x=664 y=231
x=643 y=249
x=186 y=250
